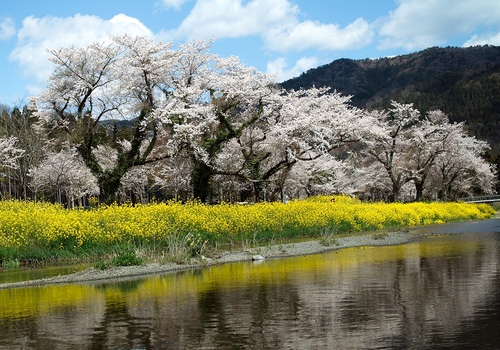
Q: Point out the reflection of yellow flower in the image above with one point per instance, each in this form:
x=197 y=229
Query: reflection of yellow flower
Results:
x=24 y=224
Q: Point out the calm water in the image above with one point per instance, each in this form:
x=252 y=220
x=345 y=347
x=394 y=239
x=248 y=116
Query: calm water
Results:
x=441 y=293
x=26 y=274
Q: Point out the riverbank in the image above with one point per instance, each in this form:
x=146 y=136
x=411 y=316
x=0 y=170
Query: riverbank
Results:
x=172 y=231
x=263 y=252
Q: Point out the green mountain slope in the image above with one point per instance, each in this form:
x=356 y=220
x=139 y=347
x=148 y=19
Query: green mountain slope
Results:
x=462 y=82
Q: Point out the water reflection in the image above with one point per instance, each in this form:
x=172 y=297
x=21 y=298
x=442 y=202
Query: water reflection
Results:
x=31 y=273
x=439 y=293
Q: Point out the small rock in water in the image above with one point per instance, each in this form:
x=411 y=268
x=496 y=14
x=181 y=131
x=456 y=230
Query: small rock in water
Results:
x=257 y=257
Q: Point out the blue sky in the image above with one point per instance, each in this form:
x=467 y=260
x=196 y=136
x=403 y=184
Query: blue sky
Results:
x=284 y=37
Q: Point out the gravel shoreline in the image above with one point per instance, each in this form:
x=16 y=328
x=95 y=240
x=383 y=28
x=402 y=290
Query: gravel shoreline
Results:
x=265 y=252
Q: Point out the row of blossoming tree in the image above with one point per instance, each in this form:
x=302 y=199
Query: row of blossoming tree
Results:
x=131 y=118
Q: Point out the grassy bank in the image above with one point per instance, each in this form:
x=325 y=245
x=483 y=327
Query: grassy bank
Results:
x=36 y=232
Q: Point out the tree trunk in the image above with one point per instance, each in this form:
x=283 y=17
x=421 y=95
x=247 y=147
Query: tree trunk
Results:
x=258 y=190
x=201 y=177
x=419 y=188
x=109 y=183
x=258 y=181
x=396 y=188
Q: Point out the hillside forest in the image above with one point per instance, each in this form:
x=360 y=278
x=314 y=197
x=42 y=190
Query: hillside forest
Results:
x=464 y=83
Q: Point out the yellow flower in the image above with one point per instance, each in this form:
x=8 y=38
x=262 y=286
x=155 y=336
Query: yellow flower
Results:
x=45 y=225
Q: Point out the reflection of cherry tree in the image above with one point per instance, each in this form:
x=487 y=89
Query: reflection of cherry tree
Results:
x=65 y=174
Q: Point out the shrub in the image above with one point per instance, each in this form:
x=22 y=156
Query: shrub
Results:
x=122 y=259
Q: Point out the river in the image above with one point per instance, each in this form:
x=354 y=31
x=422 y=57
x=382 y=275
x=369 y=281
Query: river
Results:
x=439 y=293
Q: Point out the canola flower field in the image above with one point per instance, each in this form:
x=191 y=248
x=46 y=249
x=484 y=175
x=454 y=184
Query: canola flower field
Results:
x=42 y=231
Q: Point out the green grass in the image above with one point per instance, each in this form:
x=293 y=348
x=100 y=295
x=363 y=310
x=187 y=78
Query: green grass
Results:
x=122 y=259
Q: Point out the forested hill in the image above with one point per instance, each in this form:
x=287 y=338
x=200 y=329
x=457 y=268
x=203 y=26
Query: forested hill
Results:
x=462 y=82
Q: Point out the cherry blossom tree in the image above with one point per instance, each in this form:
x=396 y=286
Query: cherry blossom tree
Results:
x=9 y=154
x=370 y=181
x=325 y=175
x=428 y=138
x=125 y=78
x=460 y=169
x=390 y=143
x=194 y=97
x=18 y=124
x=64 y=174
x=302 y=126
x=135 y=182
x=196 y=122
x=172 y=176
x=413 y=148
x=215 y=101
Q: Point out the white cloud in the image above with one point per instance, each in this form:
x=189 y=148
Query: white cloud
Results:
x=7 y=28
x=38 y=35
x=275 y=21
x=123 y=24
x=417 y=24
x=230 y=18
x=175 y=4
x=279 y=67
x=310 y=34
x=490 y=39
